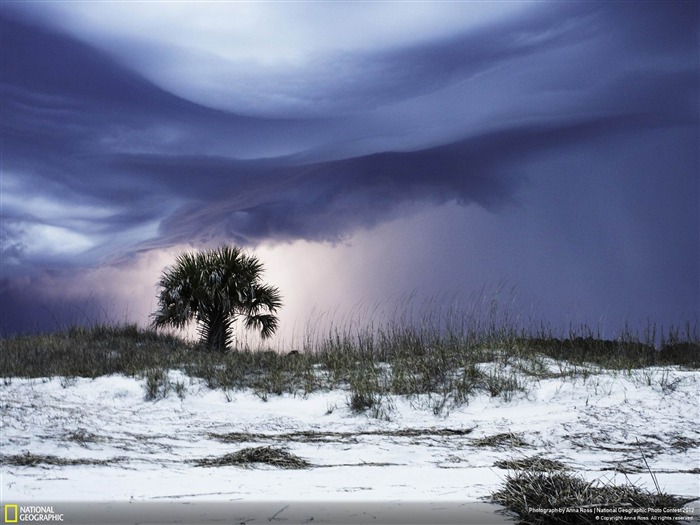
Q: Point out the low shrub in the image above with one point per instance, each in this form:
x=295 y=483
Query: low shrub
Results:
x=558 y=497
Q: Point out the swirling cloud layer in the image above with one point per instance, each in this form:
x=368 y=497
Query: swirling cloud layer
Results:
x=551 y=145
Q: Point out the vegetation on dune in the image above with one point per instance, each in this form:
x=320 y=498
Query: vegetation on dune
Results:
x=630 y=351
x=91 y=352
x=435 y=364
x=215 y=288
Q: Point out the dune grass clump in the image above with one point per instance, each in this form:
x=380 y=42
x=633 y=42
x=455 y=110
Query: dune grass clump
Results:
x=681 y=346
x=265 y=372
x=558 y=497
x=158 y=384
x=630 y=350
x=277 y=457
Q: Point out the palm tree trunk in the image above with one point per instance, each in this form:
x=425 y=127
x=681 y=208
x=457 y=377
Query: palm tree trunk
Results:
x=216 y=332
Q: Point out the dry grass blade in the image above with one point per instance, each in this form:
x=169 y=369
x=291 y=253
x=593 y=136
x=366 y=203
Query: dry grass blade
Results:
x=267 y=455
x=506 y=439
x=82 y=437
x=34 y=460
x=684 y=443
x=313 y=436
x=417 y=432
x=536 y=463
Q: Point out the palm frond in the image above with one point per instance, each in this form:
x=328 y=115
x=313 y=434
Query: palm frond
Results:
x=265 y=323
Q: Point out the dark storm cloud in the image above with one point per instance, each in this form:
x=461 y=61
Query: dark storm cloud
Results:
x=67 y=110
x=76 y=103
x=98 y=161
x=326 y=201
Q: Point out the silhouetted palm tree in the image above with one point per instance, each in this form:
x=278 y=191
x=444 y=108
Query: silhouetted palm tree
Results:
x=216 y=287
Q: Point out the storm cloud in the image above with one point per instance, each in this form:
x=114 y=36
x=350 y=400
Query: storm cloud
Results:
x=566 y=131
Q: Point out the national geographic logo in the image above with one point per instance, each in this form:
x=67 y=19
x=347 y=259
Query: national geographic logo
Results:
x=13 y=513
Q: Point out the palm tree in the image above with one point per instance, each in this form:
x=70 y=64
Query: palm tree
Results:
x=216 y=287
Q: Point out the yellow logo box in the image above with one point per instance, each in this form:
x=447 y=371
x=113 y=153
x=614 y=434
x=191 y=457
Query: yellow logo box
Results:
x=11 y=513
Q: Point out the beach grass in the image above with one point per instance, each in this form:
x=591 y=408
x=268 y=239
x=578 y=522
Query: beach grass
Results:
x=441 y=358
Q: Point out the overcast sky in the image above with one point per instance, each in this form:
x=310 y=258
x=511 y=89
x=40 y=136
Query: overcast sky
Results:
x=364 y=151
